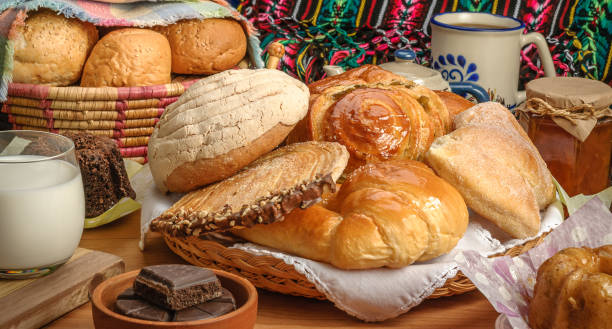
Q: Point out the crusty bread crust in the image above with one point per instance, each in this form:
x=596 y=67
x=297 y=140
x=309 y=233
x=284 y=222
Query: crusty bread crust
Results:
x=127 y=58
x=51 y=49
x=289 y=177
x=205 y=46
x=191 y=175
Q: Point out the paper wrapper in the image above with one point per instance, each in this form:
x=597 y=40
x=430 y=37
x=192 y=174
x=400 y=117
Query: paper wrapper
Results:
x=124 y=207
x=574 y=203
x=508 y=282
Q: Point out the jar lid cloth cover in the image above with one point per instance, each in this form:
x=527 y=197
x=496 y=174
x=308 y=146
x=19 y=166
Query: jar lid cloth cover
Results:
x=575 y=104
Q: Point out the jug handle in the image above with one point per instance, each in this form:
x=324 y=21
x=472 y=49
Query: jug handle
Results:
x=473 y=89
x=544 y=53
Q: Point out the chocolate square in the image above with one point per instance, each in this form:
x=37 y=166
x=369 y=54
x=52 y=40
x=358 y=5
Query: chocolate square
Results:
x=176 y=287
x=210 y=309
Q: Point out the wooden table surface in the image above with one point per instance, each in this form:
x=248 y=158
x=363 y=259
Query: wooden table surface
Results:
x=470 y=310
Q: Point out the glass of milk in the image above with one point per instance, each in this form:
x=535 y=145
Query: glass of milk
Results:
x=42 y=203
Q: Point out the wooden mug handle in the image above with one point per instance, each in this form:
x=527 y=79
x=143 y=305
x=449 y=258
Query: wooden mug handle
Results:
x=275 y=52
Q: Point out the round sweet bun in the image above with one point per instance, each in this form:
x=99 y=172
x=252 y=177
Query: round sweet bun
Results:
x=128 y=57
x=51 y=49
x=206 y=46
x=454 y=103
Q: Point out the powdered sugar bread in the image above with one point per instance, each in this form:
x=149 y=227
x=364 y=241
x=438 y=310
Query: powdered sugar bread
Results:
x=221 y=124
x=495 y=167
x=495 y=115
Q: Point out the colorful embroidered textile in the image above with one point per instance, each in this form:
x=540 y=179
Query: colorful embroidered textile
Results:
x=352 y=32
x=12 y=13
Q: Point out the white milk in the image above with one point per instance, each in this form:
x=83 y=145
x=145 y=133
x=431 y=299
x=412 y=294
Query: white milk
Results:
x=42 y=211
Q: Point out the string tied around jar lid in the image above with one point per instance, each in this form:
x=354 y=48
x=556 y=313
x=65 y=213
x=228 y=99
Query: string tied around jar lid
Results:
x=540 y=107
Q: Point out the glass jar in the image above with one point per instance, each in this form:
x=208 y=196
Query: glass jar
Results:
x=580 y=167
x=570 y=123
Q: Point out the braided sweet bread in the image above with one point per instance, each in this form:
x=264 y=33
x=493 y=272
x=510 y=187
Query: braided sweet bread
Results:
x=389 y=214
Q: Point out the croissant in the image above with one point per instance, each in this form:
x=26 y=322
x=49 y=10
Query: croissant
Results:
x=386 y=214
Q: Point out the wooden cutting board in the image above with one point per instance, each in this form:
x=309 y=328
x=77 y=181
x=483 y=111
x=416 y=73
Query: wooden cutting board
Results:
x=35 y=302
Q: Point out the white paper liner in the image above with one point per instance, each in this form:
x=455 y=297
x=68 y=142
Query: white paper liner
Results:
x=370 y=295
x=508 y=282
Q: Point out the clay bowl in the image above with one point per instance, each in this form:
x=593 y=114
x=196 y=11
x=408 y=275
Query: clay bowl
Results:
x=104 y=296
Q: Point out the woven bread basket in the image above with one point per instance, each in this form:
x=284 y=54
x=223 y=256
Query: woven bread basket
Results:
x=126 y=114
x=273 y=274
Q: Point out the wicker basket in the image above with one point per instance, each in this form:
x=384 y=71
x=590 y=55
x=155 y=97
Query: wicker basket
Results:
x=127 y=115
x=273 y=274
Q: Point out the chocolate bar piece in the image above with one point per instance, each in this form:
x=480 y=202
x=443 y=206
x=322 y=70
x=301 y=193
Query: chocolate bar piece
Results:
x=131 y=305
x=176 y=287
x=210 y=309
x=128 y=294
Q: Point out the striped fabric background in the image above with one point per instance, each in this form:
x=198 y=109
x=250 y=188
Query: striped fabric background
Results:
x=353 y=32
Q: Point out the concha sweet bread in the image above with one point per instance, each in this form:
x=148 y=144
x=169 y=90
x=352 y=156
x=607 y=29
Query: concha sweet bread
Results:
x=51 y=49
x=221 y=124
x=574 y=290
x=389 y=214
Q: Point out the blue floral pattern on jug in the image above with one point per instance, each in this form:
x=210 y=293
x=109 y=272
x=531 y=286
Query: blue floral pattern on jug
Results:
x=455 y=70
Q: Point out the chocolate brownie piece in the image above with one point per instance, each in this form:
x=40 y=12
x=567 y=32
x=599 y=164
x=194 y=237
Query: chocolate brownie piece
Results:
x=210 y=309
x=42 y=146
x=176 y=287
x=104 y=177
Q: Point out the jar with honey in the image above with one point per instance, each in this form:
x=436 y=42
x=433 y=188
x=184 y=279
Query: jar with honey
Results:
x=570 y=122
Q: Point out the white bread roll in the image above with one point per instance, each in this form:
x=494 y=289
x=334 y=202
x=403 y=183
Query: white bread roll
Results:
x=51 y=49
x=206 y=46
x=221 y=124
x=127 y=58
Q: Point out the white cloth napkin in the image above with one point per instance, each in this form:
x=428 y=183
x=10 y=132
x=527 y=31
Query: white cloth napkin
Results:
x=370 y=295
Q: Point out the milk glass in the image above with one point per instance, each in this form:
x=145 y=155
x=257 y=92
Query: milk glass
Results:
x=42 y=203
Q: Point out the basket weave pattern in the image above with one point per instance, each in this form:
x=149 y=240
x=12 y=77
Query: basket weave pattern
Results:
x=273 y=274
x=127 y=115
